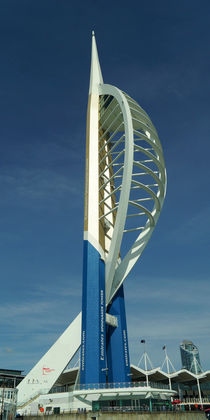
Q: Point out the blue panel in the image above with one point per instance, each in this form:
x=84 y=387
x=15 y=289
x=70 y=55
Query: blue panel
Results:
x=93 y=340
x=118 y=360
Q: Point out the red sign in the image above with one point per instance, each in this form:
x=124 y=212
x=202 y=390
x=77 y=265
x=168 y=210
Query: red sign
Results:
x=41 y=409
x=46 y=370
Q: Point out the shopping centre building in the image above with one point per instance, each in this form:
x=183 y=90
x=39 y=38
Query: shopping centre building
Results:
x=150 y=390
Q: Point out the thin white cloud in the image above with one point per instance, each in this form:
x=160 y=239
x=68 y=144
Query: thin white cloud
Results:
x=61 y=287
x=157 y=80
x=169 y=329
x=166 y=311
x=172 y=290
x=37 y=184
x=196 y=228
x=39 y=316
x=31 y=328
x=169 y=325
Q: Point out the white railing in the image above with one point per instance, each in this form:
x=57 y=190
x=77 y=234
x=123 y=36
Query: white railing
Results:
x=32 y=397
x=114 y=385
x=195 y=400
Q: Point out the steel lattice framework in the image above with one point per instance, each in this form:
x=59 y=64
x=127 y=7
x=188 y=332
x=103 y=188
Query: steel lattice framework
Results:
x=132 y=180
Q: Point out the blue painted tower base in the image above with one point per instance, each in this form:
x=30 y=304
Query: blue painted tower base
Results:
x=104 y=349
x=118 y=361
x=93 y=339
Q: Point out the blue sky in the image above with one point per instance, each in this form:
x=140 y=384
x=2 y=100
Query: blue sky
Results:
x=158 y=52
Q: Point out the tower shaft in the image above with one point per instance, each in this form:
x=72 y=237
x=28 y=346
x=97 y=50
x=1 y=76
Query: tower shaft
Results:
x=93 y=336
x=96 y=358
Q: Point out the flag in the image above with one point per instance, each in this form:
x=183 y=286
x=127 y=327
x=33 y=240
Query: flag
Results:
x=142 y=341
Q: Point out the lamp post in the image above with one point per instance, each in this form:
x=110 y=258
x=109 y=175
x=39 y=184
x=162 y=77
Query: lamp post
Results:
x=146 y=359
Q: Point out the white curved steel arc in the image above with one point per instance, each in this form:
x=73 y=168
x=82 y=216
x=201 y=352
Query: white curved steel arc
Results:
x=157 y=147
x=143 y=130
x=126 y=265
x=112 y=163
x=111 y=178
x=144 y=211
x=110 y=138
x=149 y=191
x=150 y=155
x=149 y=172
x=117 y=235
x=131 y=258
x=144 y=116
x=115 y=119
x=105 y=121
x=123 y=114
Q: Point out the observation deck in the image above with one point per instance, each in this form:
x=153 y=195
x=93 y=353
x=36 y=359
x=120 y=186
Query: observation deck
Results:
x=106 y=391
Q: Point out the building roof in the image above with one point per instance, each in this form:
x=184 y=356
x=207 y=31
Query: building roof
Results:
x=10 y=372
x=68 y=377
x=181 y=376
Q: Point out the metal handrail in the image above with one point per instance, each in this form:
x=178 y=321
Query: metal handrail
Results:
x=122 y=385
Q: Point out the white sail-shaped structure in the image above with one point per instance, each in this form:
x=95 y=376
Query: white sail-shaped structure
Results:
x=125 y=188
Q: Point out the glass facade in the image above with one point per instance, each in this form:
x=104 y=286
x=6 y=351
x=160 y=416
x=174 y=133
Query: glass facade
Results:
x=190 y=357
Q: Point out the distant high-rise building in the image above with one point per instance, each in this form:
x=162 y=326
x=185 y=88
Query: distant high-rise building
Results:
x=190 y=357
